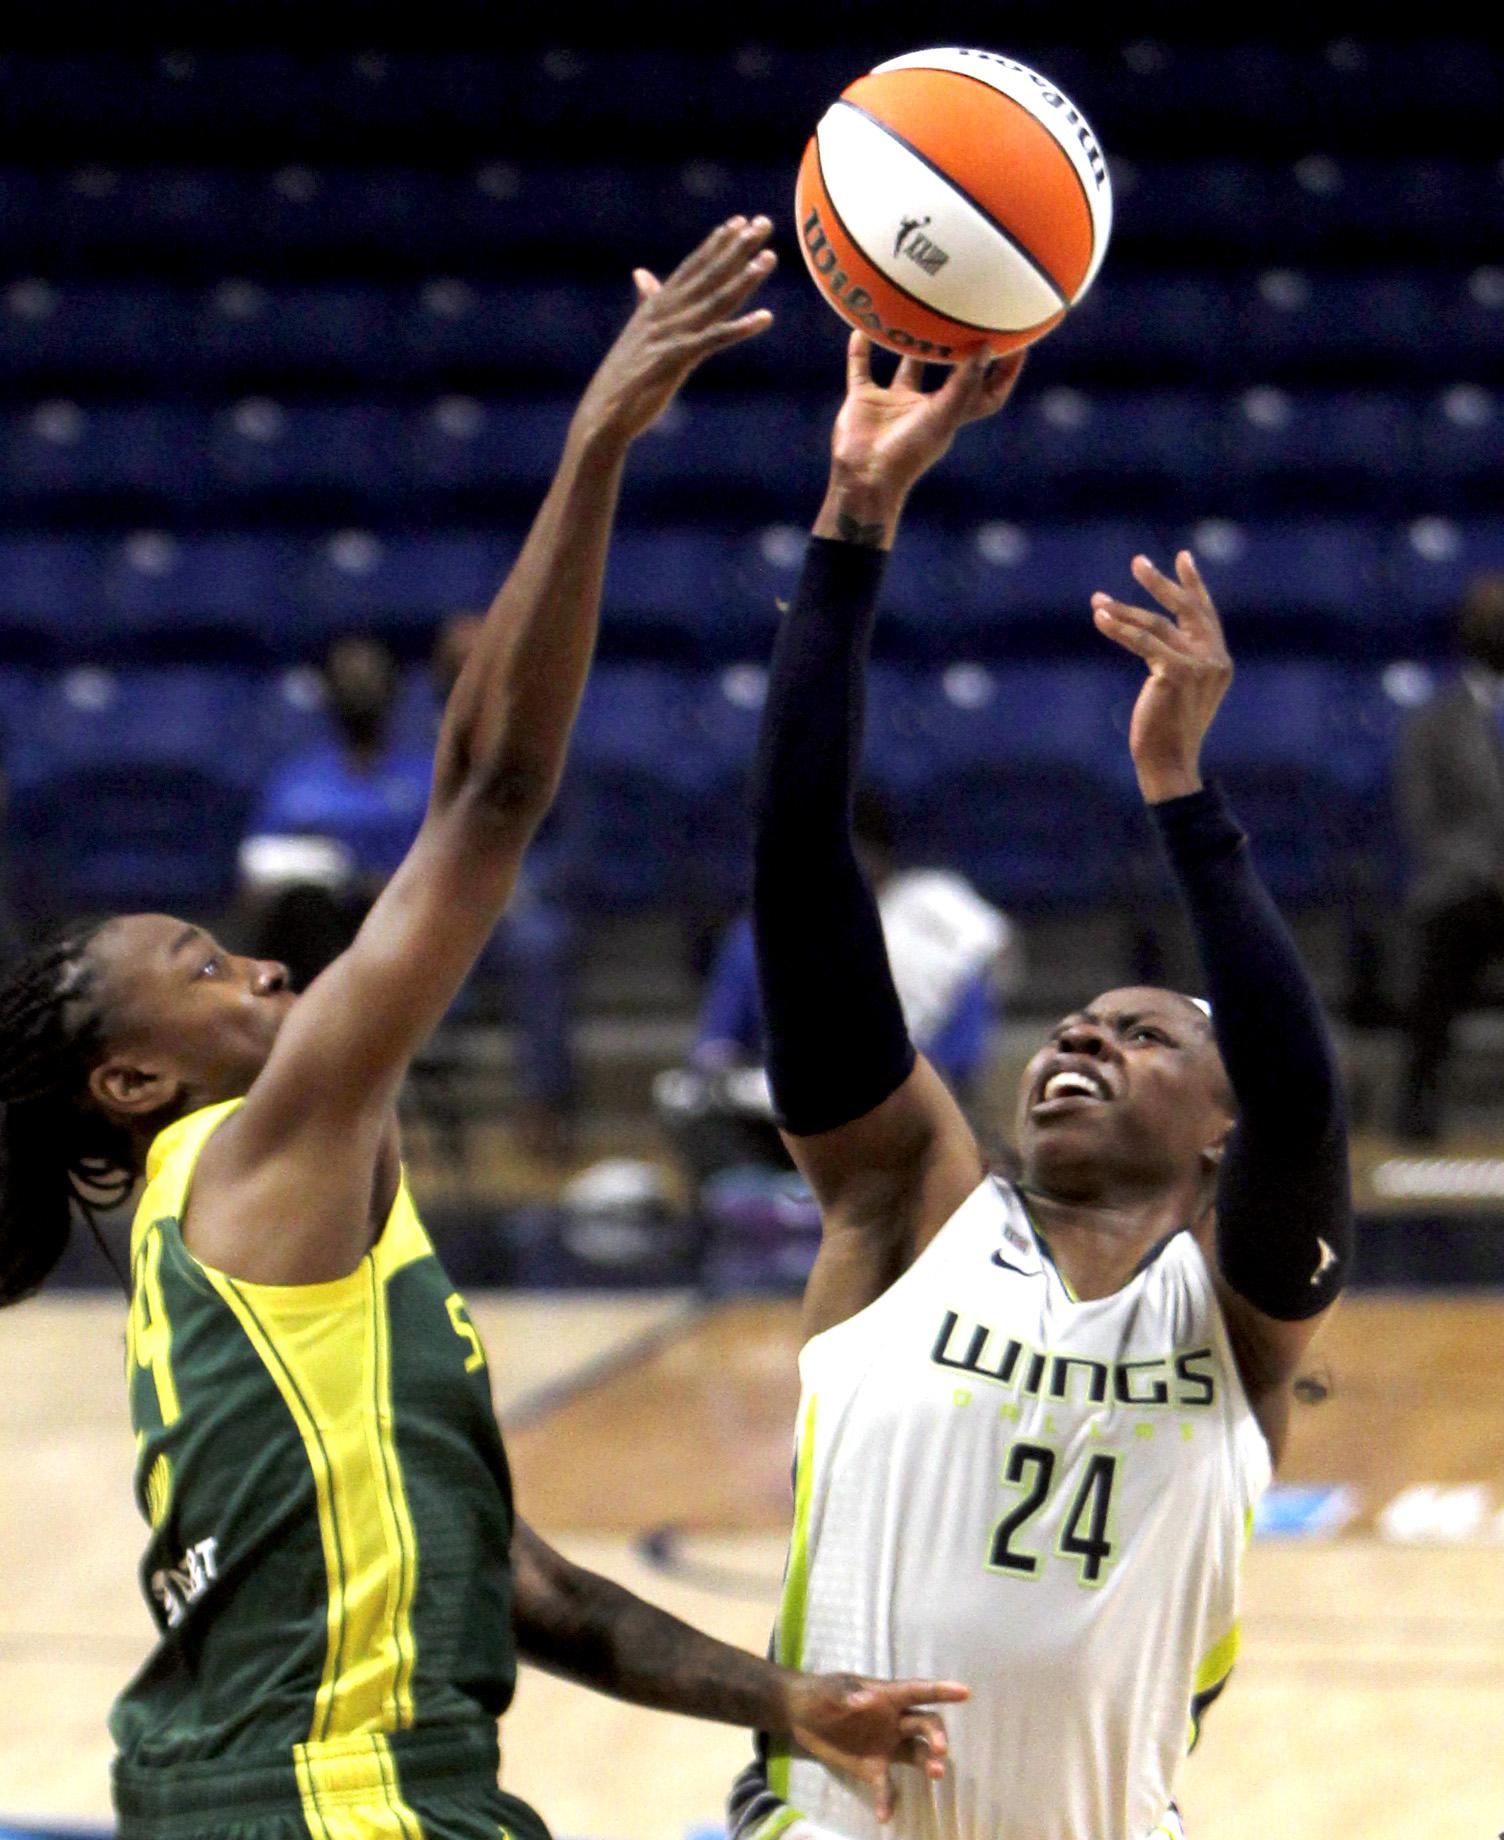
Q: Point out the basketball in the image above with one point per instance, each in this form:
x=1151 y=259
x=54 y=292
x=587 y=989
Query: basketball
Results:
x=950 y=199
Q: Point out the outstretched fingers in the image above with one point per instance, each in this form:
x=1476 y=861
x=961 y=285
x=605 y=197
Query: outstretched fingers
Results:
x=858 y=361
x=734 y=287
x=1199 y=603
x=728 y=253
x=707 y=253
x=1150 y=636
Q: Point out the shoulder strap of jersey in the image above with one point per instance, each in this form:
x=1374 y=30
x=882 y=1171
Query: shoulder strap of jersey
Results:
x=170 y=1164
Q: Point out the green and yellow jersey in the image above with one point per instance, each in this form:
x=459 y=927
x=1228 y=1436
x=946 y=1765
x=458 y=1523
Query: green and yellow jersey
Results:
x=331 y=1519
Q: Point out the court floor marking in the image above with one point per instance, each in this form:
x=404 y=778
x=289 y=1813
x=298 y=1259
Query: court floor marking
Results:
x=536 y=1403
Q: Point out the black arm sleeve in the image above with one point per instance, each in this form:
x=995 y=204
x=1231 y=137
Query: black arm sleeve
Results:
x=837 y=1044
x=1284 y=1204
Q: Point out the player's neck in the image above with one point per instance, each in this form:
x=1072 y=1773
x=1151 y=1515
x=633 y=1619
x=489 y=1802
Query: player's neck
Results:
x=1099 y=1242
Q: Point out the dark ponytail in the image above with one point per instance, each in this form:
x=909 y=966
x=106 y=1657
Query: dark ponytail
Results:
x=58 y=1154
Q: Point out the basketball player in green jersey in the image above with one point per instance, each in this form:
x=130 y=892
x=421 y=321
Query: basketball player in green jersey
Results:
x=339 y=1583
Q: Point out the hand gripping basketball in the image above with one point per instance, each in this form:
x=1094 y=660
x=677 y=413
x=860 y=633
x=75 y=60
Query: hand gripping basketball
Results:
x=679 y=323
x=897 y=433
x=1190 y=670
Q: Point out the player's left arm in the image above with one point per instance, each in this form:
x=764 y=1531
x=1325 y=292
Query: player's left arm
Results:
x=576 y=1624
x=1283 y=1232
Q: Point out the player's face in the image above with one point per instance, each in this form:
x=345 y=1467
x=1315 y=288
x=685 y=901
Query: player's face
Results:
x=1130 y=1086
x=185 y=1009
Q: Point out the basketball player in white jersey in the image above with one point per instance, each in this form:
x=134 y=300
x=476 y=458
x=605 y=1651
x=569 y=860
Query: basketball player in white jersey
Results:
x=1036 y=1414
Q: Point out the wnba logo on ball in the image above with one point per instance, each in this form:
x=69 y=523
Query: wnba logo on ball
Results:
x=913 y=243
x=856 y=303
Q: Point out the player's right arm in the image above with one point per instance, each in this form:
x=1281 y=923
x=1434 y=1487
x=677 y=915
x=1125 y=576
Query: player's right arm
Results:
x=587 y=1629
x=304 y=1149
x=873 y=1128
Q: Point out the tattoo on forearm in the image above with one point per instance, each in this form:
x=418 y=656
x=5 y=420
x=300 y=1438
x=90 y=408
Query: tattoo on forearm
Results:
x=865 y=536
x=592 y=1631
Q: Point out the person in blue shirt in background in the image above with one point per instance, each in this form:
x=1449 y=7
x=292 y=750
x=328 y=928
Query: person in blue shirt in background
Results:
x=333 y=823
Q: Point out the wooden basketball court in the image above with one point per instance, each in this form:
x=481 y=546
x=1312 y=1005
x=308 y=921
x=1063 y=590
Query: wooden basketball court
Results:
x=1369 y=1702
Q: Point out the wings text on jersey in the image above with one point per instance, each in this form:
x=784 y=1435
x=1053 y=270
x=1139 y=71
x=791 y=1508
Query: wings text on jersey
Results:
x=1184 y=1378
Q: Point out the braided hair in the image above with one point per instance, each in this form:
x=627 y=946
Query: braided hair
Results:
x=58 y=1153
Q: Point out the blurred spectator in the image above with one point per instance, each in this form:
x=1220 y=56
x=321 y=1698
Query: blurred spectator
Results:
x=1451 y=798
x=334 y=822
x=952 y=955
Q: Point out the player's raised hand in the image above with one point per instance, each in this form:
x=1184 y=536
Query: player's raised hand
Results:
x=864 y=1727
x=1189 y=672
x=678 y=323
x=887 y=436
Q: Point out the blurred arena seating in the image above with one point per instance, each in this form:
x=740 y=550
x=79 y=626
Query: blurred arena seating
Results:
x=289 y=340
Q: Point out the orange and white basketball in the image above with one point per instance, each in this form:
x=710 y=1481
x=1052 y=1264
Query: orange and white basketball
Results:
x=952 y=198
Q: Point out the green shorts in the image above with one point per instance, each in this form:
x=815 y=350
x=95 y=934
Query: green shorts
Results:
x=417 y=1785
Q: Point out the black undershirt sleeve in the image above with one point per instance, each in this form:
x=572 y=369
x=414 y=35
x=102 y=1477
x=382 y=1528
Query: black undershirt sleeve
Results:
x=1284 y=1204
x=836 y=1040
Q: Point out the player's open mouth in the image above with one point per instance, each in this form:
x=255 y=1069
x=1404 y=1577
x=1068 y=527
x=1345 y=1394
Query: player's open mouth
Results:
x=1071 y=1086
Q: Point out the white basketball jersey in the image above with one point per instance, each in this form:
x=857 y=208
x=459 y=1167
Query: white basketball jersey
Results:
x=1043 y=1498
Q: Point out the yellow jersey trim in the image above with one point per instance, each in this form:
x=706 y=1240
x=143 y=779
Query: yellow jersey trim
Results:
x=789 y=1644
x=170 y=1164
x=1217 y=1662
x=349 y=1791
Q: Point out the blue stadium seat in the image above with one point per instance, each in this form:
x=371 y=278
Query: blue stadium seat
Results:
x=355 y=452
x=898 y=751
x=131 y=789
x=542 y=331
x=101 y=213
x=19 y=689
x=1273 y=745
x=1162 y=328
x=49 y=596
x=627 y=813
x=1017 y=792
x=714 y=447
x=287 y=716
x=59 y=457
x=1461 y=435
x=1372 y=706
x=209 y=599
x=459 y=444
x=1305 y=319
x=21 y=213
x=179 y=715
x=1470 y=323
x=1086 y=449
x=672 y=593
x=323 y=335
x=116 y=836
x=383 y=212
x=1430 y=563
x=1288 y=443
x=1202 y=204
x=1031 y=588
x=399 y=586
x=58 y=336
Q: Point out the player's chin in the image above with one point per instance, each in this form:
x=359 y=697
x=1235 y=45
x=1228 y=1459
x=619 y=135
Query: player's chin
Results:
x=1070 y=1125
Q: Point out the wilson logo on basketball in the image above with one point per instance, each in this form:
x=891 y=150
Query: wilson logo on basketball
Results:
x=913 y=243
